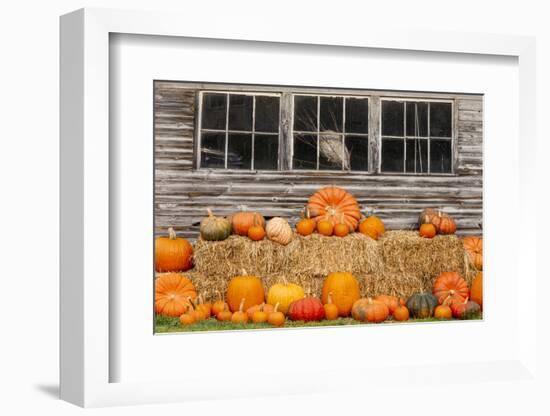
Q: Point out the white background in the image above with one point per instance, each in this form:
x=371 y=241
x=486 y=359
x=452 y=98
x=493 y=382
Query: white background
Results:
x=29 y=172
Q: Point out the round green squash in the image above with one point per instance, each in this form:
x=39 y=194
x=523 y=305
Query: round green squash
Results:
x=215 y=228
x=422 y=305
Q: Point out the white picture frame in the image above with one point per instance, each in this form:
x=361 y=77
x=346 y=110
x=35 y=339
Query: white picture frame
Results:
x=86 y=214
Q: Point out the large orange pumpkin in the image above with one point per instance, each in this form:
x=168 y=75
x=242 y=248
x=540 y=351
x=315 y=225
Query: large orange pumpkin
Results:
x=450 y=286
x=474 y=248
x=249 y=288
x=173 y=254
x=476 y=291
x=172 y=293
x=242 y=221
x=345 y=291
x=332 y=203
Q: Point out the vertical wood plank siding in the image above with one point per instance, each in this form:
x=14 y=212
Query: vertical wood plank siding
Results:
x=183 y=193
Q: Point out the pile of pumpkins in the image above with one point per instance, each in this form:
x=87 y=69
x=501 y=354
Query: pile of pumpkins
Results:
x=245 y=301
x=331 y=211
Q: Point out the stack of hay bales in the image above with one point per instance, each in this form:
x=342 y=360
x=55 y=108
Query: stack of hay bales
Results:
x=400 y=263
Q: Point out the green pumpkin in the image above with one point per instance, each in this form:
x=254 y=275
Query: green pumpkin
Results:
x=215 y=228
x=422 y=305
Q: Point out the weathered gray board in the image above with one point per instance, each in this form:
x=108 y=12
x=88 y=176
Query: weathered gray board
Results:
x=182 y=193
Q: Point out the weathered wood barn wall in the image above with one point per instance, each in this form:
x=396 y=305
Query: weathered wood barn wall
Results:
x=182 y=192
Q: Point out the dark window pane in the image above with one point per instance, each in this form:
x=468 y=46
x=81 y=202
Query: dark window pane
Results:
x=393 y=155
x=305 y=113
x=441 y=119
x=357 y=115
x=440 y=156
x=240 y=112
x=331 y=113
x=417 y=156
x=266 y=152
x=358 y=150
x=392 y=118
x=267 y=114
x=214 y=109
x=305 y=151
x=332 y=152
x=239 y=151
x=213 y=150
x=417 y=119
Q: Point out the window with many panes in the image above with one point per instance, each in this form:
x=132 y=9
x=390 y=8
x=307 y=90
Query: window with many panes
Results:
x=330 y=133
x=239 y=131
x=317 y=131
x=416 y=137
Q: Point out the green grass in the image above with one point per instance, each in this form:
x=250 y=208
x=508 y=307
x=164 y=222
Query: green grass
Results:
x=165 y=324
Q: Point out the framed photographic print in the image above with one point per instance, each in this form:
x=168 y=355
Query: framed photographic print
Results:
x=305 y=199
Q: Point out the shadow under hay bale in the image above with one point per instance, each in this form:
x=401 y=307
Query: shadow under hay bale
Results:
x=399 y=264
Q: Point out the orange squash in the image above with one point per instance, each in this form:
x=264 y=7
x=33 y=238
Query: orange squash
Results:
x=325 y=227
x=331 y=310
x=187 y=319
x=341 y=230
x=173 y=254
x=264 y=307
x=474 y=248
x=392 y=302
x=372 y=226
x=172 y=292
x=476 y=291
x=256 y=233
x=242 y=221
x=240 y=317
x=369 y=310
x=249 y=288
x=443 y=312
x=332 y=203
x=345 y=291
x=219 y=305
x=427 y=231
x=224 y=315
x=276 y=318
x=401 y=313
x=450 y=286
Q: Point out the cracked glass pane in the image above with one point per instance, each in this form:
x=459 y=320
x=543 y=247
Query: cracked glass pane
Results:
x=305 y=151
x=417 y=119
x=417 y=155
x=358 y=150
x=332 y=153
x=357 y=115
x=440 y=156
x=214 y=111
x=331 y=114
x=266 y=151
x=213 y=150
x=239 y=151
x=305 y=113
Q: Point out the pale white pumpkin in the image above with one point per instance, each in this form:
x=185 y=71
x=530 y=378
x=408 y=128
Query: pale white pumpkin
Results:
x=278 y=230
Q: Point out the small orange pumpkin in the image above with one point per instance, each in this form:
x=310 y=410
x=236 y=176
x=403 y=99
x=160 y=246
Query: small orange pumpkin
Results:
x=447 y=225
x=331 y=310
x=427 y=231
x=173 y=254
x=401 y=313
x=341 y=230
x=224 y=315
x=443 y=311
x=276 y=318
x=325 y=227
x=392 y=302
x=260 y=316
x=256 y=233
x=264 y=307
x=372 y=226
x=219 y=305
x=306 y=225
x=187 y=319
x=474 y=248
x=240 y=317
x=369 y=310
x=205 y=307
x=172 y=292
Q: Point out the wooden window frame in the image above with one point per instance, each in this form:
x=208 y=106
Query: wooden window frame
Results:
x=318 y=133
x=286 y=124
x=227 y=131
x=427 y=100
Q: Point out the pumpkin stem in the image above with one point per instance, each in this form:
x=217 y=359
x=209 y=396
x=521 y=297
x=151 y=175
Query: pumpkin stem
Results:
x=171 y=233
x=241 y=305
x=191 y=303
x=210 y=214
x=276 y=307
